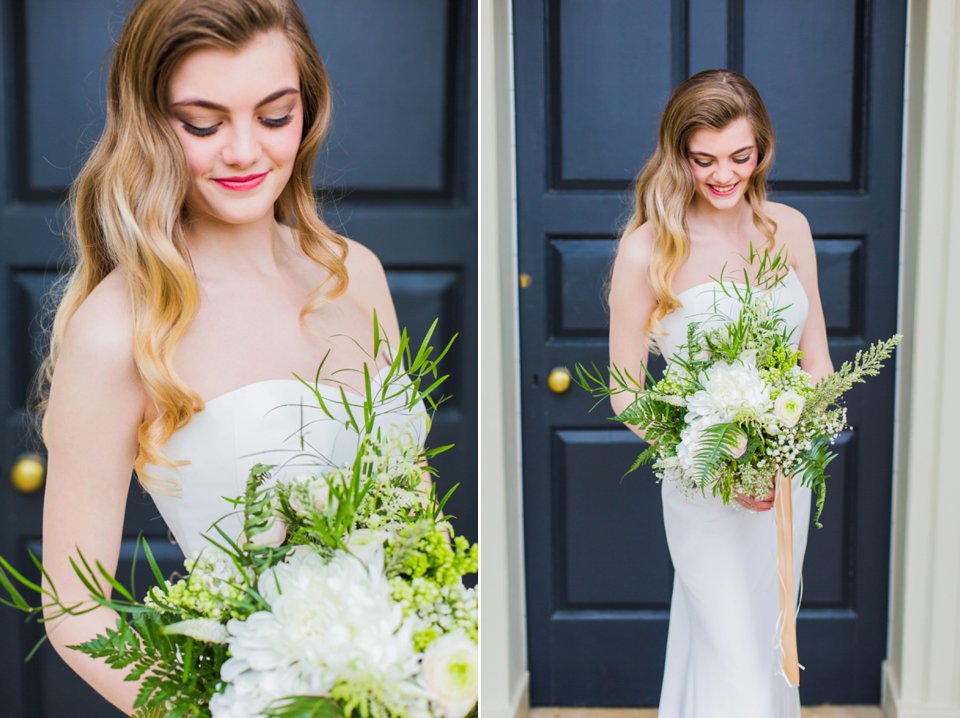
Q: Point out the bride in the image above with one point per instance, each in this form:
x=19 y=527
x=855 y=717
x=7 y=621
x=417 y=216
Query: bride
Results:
x=203 y=279
x=700 y=204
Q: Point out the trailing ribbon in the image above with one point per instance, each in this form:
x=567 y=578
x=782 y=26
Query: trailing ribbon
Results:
x=783 y=504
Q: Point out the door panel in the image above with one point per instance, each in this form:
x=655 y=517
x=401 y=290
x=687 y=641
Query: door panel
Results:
x=398 y=173
x=591 y=80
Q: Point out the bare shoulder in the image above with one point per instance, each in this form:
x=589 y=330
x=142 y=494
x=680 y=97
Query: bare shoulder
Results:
x=102 y=324
x=95 y=373
x=634 y=255
x=369 y=288
x=793 y=229
x=790 y=221
x=636 y=248
x=362 y=263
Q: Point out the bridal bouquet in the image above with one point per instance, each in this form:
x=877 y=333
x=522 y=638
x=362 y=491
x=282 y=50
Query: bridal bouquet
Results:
x=733 y=407
x=342 y=595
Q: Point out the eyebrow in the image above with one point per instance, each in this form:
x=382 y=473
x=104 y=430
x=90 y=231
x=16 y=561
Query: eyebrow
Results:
x=735 y=152
x=220 y=108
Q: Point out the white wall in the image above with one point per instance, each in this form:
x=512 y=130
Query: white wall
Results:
x=503 y=646
x=922 y=672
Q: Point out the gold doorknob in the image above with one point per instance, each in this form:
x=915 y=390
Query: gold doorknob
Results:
x=28 y=473
x=559 y=379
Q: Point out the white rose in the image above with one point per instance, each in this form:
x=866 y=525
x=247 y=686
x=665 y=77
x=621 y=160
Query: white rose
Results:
x=788 y=407
x=367 y=545
x=272 y=536
x=449 y=672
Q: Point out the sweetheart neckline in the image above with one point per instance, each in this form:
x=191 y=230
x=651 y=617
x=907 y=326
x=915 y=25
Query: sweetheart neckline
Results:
x=332 y=387
x=790 y=270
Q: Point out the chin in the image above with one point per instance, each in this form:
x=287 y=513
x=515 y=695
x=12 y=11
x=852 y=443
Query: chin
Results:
x=242 y=211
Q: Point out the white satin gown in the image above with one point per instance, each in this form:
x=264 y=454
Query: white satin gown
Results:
x=263 y=422
x=722 y=657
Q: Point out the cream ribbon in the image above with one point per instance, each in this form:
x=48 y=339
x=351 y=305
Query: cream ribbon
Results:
x=783 y=505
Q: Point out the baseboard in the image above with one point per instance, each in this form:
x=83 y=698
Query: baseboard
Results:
x=519 y=706
x=894 y=707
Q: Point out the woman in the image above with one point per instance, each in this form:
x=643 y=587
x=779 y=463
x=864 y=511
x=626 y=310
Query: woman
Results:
x=204 y=278
x=700 y=204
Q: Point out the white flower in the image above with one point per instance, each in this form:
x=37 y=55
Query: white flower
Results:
x=729 y=390
x=367 y=545
x=202 y=629
x=671 y=399
x=308 y=493
x=788 y=407
x=796 y=370
x=450 y=673
x=273 y=535
x=328 y=622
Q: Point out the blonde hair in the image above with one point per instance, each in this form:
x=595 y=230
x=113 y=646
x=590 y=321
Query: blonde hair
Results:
x=665 y=186
x=127 y=205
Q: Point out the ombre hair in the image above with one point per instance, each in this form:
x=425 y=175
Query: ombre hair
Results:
x=665 y=186
x=128 y=203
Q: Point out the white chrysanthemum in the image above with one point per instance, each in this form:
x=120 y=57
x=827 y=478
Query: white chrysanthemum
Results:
x=328 y=622
x=450 y=674
x=729 y=390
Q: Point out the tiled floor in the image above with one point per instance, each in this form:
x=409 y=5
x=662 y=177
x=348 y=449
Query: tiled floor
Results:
x=826 y=711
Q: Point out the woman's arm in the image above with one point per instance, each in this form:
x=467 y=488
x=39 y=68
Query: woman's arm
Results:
x=631 y=302
x=96 y=405
x=365 y=269
x=813 y=342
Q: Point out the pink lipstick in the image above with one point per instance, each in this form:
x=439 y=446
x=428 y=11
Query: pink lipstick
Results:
x=241 y=184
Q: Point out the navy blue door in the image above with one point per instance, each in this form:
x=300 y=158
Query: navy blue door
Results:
x=398 y=174
x=591 y=80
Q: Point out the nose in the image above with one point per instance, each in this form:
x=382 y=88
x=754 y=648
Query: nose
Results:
x=725 y=172
x=242 y=148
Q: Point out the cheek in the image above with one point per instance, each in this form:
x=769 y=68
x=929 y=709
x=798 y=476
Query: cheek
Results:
x=284 y=145
x=199 y=155
x=700 y=174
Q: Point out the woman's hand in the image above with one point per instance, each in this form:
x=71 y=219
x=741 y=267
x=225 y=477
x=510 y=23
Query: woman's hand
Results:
x=764 y=504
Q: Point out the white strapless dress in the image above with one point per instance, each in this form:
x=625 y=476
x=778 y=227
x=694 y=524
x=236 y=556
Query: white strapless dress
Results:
x=722 y=657
x=276 y=421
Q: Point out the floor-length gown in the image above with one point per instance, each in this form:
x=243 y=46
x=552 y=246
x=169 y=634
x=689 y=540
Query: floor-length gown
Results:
x=722 y=658
x=277 y=421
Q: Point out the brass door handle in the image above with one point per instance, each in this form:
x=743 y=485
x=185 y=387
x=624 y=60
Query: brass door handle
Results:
x=28 y=473
x=559 y=379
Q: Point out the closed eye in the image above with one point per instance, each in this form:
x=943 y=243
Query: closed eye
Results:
x=738 y=160
x=200 y=131
x=271 y=122
x=277 y=121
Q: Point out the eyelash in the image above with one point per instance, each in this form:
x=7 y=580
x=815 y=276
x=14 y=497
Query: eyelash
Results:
x=272 y=123
x=739 y=161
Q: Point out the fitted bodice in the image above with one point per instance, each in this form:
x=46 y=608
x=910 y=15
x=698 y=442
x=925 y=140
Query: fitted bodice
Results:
x=277 y=421
x=709 y=304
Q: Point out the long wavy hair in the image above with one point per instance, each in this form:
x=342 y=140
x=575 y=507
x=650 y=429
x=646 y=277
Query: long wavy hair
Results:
x=128 y=203
x=665 y=186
